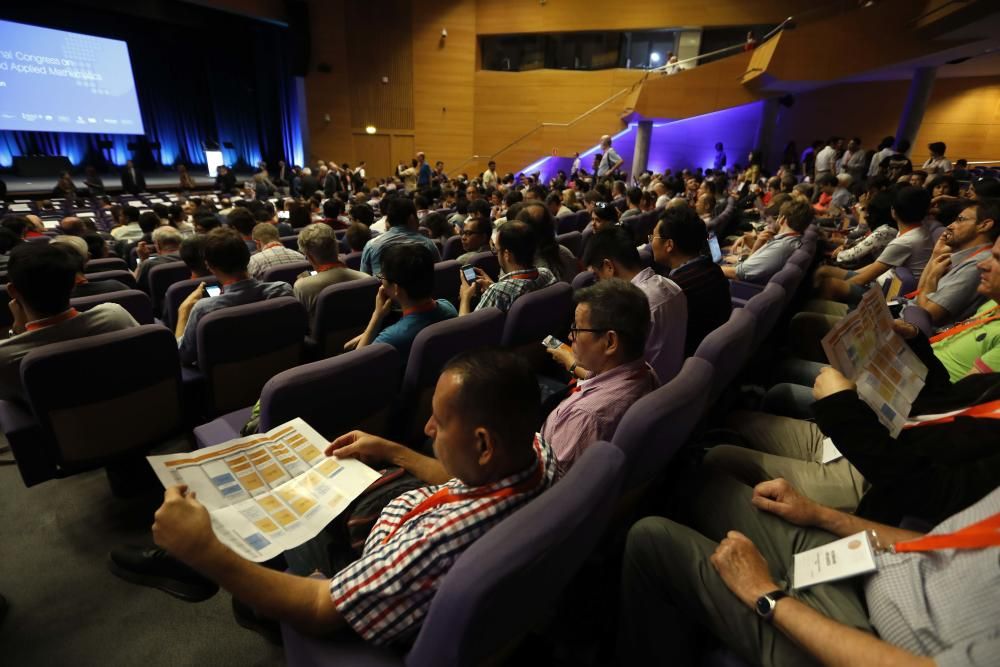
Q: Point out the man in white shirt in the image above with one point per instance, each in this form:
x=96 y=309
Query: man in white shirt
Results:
x=610 y=160
x=490 y=175
x=937 y=163
x=826 y=159
x=884 y=151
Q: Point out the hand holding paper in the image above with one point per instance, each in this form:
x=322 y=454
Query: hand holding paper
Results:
x=182 y=525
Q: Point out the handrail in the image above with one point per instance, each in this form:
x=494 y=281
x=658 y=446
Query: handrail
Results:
x=662 y=69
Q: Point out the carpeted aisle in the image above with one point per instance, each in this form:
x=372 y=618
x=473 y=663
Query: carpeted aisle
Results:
x=67 y=609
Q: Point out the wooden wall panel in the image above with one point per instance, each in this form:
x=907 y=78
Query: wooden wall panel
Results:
x=696 y=91
x=443 y=73
x=375 y=150
x=527 y=16
x=384 y=105
x=326 y=92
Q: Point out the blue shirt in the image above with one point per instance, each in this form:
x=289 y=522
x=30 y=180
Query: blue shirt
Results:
x=424 y=176
x=401 y=334
x=769 y=258
x=236 y=294
x=371 y=255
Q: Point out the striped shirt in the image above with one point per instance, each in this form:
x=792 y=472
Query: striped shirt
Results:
x=386 y=593
x=513 y=284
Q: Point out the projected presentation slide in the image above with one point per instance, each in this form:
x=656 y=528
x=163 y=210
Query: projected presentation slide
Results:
x=57 y=81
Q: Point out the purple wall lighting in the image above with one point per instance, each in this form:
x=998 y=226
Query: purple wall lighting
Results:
x=686 y=143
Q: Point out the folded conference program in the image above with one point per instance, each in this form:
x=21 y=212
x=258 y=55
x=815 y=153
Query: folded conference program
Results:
x=268 y=492
x=865 y=348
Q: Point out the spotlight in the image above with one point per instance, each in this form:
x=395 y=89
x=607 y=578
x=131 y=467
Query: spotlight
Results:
x=370 y=129
x=654 y=57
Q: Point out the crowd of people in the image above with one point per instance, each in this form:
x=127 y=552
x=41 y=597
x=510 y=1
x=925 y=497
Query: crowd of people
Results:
x=714 y=567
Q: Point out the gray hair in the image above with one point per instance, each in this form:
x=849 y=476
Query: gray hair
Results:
x=167 y=236
x=319 y=242
x=74 y=242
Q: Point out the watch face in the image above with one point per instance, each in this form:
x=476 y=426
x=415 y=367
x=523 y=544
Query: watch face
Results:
x=764 y=605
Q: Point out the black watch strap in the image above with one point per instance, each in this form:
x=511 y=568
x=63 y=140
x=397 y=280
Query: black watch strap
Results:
x=765 y=603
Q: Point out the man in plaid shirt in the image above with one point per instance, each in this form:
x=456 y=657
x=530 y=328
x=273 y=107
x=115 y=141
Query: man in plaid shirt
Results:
x=270 y=251
x=515 y=244
x=487 y=465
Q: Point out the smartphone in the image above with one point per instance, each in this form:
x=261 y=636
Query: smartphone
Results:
x=469 y=272
x=552 y=343
x=713 y=246
x=213 y=290
x=312 y=273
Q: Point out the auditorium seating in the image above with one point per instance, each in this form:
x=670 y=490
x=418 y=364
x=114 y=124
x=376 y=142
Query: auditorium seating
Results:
x=916 y=315
x=342 y=312
x=98 y=401
x=431 y=350
x=452 y=248
x=448 y=280
x=505 y=584
x=352 y=260
x=121 y=276
x=236 y=367
x=573 y=241
x=105 y=264
x=176 y=293
x=325 y=394
x=537 y=314
x=766 y=308
x=161 y=277
x=285 y=272
x=488 y=262
x=135 y=302
x=727 y=349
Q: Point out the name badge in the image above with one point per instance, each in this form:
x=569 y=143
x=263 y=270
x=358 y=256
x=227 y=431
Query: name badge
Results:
x=847 y=557
x=830 y=451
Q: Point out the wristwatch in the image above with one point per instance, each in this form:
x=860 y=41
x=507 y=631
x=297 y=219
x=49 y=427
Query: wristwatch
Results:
x=764 y=606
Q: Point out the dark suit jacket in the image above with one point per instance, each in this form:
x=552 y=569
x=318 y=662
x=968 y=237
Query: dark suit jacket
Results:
x=134 y=186
x=309 y=185
x=226 y=183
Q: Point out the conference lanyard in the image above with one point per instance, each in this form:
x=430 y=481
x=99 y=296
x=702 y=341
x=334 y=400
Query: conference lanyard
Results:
x=273 y=244
x=320 y=268
x=980 y=535
x=445 y=495
x=989 y=316
x=49 y=321
x=523 y=275
x=424 y=308
x=989 y=410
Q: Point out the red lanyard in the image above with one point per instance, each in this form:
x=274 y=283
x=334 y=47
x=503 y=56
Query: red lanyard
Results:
x=81 y=280
x=980 y=535
x=49 y=321
x=445 y=495
x=989 y=410
x=989 y=316
x=424 y=308
x=320 y=268
x=524 y=275
x=273 y=244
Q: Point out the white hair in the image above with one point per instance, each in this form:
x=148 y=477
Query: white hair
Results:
x=306 y=171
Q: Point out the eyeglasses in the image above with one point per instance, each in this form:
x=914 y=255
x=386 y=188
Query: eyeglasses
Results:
x=471 y=232
x=962 y=218
x=654 y=236
x=573 y=331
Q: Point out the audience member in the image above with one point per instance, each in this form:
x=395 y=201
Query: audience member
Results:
x=271 y=251
x=407 y=278
x=609 y=338
x=41 y=278
x=318 y=244
x=77 y=247
x=515 y=247
x=401 y=218
x=476 y=232
x=771 y=251
x=167 y=242
x=227 y=257
x=192 y=253
x=679 y=242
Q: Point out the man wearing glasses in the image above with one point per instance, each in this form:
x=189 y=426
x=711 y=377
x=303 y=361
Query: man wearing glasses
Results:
x=515 y=247
x=608 y=336
x=477 y=230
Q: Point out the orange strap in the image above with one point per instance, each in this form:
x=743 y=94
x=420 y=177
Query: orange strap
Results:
x=980 y=535
x=989 y=410
x=49 y=321
x=988 y=316
x=445 y=495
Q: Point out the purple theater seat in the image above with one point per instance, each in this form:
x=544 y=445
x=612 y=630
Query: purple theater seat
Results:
x=447 y=280
x=488 y=262
x=789 y=278
x=538 y=314
x=740 y=289
x=352 y=260
x=584 y=279
x=801 y=258
x=916 y=315
x=105 y=264
x=728 y=349
x=766 y=308
x=6 y=317
x=342 y=312
x=285 y=272
x=480 y=607
x=135 y=302
x=573 y=241
x=452 y=248
x=431 y=350
x=566 y=224
x=242 y=347
x=310 y=390
x=659 y=423
x=582 y=219
x=176 y=293
x=121 y=276
x=907 y=279
x=290 y=242
x=161 y=277
x=101 y=411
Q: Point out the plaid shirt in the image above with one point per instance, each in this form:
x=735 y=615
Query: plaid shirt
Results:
x=505 y=291
x=272 y=255
x=386 y=593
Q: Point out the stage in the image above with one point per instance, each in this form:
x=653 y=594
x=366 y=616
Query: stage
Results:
x=34 y=187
